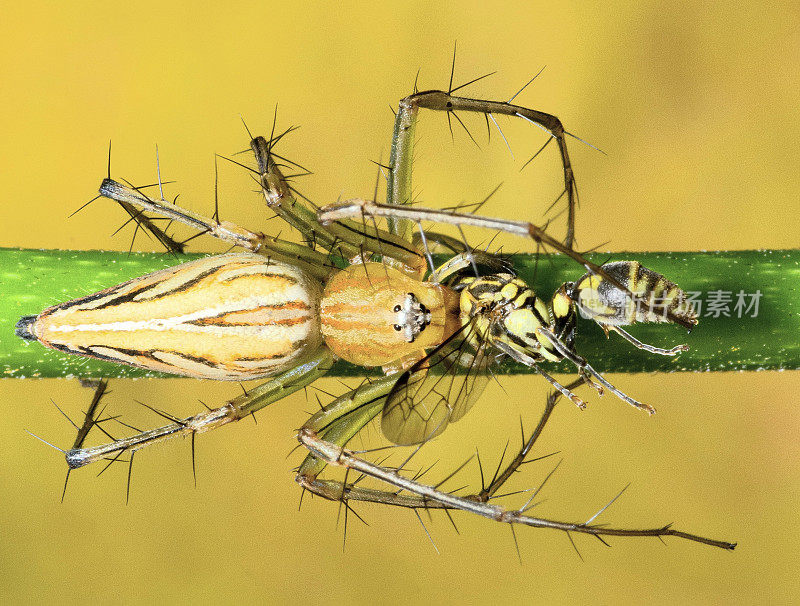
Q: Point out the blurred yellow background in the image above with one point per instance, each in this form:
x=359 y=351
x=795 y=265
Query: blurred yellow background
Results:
x=696 y=106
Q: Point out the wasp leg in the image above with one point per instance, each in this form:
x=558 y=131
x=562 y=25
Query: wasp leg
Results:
x=565 y=391
x=240 y=407
x=399 y=188
x=359 y=207
x=586 y=368
x=350 y=239
x=646 y=346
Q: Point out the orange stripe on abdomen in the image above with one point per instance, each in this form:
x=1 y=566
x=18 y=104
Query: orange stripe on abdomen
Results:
x=196 y=319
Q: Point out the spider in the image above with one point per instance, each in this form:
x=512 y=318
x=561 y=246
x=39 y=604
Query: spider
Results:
x=285 y=312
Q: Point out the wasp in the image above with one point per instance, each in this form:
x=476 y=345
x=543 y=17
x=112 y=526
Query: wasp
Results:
x=358 y=292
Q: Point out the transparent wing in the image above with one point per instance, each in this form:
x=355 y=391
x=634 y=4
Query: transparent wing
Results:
x=437 y=390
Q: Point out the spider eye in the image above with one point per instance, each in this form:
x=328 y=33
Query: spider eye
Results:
x=398 y=328
x=397 y=308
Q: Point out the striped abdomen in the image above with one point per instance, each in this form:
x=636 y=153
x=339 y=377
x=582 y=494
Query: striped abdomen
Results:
x=606 y=304
x=230 y=317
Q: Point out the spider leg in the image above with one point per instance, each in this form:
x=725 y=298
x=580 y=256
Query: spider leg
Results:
x=399 y=191
x=240 y=407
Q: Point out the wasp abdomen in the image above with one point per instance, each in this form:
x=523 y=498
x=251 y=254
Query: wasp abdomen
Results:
x=230 y=317
x=660 y=299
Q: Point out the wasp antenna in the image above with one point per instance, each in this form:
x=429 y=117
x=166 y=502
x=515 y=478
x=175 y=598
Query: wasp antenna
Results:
x=469 y=250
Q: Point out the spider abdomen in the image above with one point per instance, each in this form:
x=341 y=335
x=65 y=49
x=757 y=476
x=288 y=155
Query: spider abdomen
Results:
x=226 y=317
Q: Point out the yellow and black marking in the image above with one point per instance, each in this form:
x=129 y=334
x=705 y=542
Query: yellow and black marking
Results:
x=508 y=314
x=608 y=305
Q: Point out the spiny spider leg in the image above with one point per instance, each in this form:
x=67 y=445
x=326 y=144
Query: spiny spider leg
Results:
x=343 y=418
x=347 y=238
x=399 y=190
x=358 y=207
x=415 y=495
x=314 y=262
x=277 y=388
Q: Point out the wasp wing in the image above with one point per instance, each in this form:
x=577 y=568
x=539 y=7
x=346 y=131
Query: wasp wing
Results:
x=437 y=390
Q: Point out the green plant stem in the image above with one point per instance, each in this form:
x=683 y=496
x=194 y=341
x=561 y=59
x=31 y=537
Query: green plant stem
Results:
x=31 y=280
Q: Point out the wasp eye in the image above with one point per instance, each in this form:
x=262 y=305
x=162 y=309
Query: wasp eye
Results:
x=398 y=328
x=397 y=308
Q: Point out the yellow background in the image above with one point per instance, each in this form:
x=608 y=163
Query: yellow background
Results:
x=697 y=110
